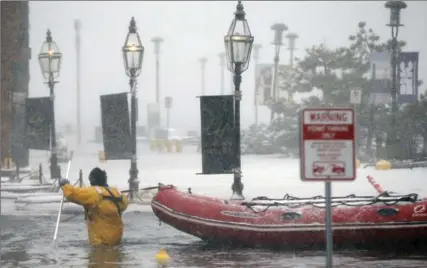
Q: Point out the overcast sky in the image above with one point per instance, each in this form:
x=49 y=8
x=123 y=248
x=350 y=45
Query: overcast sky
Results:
x=191 y=30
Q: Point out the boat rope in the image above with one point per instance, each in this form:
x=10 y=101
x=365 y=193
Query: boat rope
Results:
x=315 y=201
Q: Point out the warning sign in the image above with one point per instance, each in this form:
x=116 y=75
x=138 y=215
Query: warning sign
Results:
x=327 y=145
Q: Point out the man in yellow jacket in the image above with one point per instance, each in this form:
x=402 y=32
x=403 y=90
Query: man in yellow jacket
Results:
x=103 y=208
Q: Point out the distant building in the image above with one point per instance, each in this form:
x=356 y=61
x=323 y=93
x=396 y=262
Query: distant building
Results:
x=15 y=76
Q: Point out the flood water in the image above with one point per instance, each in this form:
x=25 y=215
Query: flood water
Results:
x=26 y=238
x=27 y=242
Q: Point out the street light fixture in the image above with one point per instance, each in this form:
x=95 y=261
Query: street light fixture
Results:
x=133 y=53
x=394 y=24
x=238 y=46
x=50 y=65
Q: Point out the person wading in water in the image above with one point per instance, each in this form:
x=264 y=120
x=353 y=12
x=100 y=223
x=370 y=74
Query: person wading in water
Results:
x=103 y=206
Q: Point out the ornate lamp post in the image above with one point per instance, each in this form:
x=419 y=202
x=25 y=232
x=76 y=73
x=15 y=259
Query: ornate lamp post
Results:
x=238 y=46
x=278 y=29
x=50 y=64
x=395 y=7
x=133 y=52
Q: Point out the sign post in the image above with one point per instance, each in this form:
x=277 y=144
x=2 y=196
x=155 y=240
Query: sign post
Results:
x=328 y=154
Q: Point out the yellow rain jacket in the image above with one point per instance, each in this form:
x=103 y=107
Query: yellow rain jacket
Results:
x=103 y=208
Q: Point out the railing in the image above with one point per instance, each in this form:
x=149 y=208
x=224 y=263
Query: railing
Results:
x=319 y=201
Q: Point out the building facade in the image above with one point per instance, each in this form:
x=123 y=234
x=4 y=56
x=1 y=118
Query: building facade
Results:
x=15 y=77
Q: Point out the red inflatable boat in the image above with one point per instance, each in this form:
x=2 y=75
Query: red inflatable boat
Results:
x=291 y=221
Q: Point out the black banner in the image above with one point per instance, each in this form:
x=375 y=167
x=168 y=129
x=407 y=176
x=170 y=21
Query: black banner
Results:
x=217 y=134
x=116 y=126
x=38 y=118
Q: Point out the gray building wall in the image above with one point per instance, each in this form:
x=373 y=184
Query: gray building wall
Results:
x=15 y=57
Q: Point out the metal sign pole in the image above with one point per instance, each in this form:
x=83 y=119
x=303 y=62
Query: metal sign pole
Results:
x=328 y=224
x=322 y=131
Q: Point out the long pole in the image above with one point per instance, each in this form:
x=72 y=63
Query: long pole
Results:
x=157 y=41
x=291 y=47
x=222 y=65
x=133 y=172
x=167 y=118
x=278 y=29
x=58 y=219
x=328 y=224
x=77 y=27
x=256 y=49
x=276 y=64
x=237 y=186
x=371 y=117
x=392 y=144
x=55 y=171
x=203 y=69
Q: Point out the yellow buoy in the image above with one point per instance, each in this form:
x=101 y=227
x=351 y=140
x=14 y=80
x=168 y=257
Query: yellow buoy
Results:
x=162 y=257
x=383 y=165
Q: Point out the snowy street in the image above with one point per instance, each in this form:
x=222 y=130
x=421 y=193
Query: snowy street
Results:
x=262 y=175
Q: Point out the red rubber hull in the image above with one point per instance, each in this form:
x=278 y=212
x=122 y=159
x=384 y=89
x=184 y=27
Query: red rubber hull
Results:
x=218 y=220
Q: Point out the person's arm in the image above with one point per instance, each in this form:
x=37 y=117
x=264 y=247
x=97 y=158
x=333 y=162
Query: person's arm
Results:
x=86 y=196
x=125 y=202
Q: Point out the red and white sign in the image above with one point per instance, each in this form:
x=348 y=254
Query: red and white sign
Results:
x=328 y=145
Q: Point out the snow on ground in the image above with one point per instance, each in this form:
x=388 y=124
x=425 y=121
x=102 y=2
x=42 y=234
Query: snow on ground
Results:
x=22 y=188
x=262 y=176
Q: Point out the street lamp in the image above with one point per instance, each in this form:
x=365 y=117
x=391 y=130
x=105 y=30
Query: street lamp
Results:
x=394 y=24
x=133 y=52
x=291 y=46
x=50 y=64
x=278 y=29
x=238 y=46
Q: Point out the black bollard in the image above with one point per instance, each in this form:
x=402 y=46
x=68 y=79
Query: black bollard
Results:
x=40 y=174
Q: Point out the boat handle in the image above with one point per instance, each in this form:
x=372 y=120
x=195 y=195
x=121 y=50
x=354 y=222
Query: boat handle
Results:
x=291 y=216
x=387 y=212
